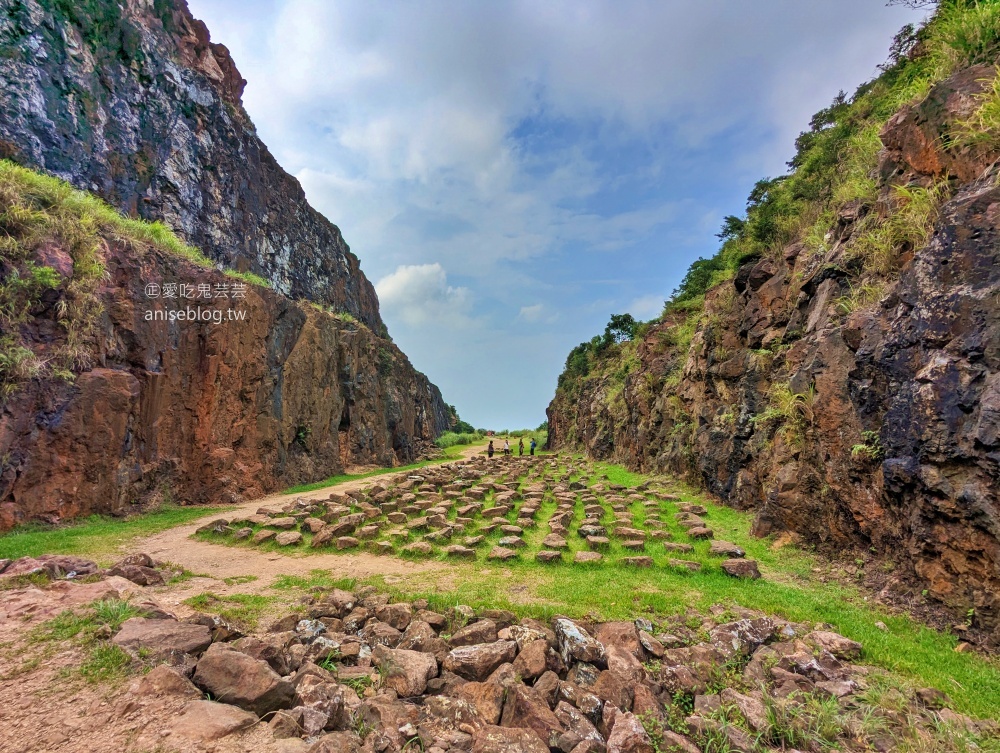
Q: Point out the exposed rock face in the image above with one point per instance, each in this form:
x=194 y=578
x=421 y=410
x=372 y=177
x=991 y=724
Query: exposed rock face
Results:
x=898 y=414
x=133 y=102
x=206 y=412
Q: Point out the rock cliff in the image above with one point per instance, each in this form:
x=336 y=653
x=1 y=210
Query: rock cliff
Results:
x=103 y=410
x=211 y=410
x=844 y=384
x=133 y=102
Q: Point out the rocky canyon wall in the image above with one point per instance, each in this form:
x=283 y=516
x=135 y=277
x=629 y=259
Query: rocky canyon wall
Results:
x=132 y=102
x=871 y=426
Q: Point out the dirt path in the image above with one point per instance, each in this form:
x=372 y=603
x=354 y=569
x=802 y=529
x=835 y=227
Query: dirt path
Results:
x=219 y=561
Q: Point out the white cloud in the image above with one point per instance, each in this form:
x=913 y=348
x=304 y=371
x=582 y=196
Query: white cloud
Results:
x=531 y=313
x=534 y=150
x=646 y=307
x=420 y=294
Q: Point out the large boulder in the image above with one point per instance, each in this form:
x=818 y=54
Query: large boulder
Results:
x=406 y=672
x=163 y=637
x=479 y=661
x=234 y=677
x=206 y=720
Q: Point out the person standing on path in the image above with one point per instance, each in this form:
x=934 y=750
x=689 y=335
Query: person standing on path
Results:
x=520 y=446
x=532 y=450
x=489 y=450
x=506 y=447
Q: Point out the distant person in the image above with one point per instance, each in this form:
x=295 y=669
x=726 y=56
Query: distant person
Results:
x=506 y=447
x=531 y=451
x=490 y=450
x=520 y=446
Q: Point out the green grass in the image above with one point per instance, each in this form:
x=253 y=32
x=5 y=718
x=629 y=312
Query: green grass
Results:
x=97 y=536
x=242 y=610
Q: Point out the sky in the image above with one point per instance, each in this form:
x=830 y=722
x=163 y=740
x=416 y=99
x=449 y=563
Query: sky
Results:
x=512 y=173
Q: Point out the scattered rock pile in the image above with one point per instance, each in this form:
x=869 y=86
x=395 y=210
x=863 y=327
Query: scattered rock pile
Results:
x=141 y=569
x=356 y=672
x=502 y=509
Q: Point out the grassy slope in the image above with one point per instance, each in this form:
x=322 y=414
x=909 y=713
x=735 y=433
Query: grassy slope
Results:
x=97 y=537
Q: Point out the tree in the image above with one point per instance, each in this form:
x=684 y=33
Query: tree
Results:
x=732 y=227
x=620 y=328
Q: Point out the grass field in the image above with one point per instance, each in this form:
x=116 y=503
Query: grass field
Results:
x=98 y=537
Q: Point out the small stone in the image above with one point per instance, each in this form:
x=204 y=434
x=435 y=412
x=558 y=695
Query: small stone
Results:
x=418 y=547
x=288 y=538
x=726 y=549
x=585 y=557
x=547 y=555
x=678 y=548
x=501 y=553
x=637 y=561
x=261 y=536
x=741 y=568
x=685 y=565
x=700 y=532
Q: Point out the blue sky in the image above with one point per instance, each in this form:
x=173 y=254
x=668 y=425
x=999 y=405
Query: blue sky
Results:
x=511 y=173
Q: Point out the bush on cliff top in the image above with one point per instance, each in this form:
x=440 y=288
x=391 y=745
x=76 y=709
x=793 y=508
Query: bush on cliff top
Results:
x=38 y=212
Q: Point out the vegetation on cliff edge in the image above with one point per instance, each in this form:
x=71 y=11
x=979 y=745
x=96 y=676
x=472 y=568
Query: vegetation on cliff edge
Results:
x=834 y=169
x=41 y=219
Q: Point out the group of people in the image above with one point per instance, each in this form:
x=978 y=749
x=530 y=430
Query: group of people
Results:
x=506 y=447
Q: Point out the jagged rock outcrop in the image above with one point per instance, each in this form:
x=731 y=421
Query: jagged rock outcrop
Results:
x=133 y=102
x=204 y=412
x=888 y=432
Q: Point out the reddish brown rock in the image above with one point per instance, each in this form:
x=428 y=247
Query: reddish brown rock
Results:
x=504 y=740
x=406 y=672
x=161 y=637
x=477 y=662
x=524 y=709
x=740 y=568
x=206 y=720
x=236 y=678
x=486 y=697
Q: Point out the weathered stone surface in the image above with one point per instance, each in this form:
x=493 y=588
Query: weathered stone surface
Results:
x=406 y=672
x=838 y=645
x=480 y=631
x=726 y=549
x=525 y=709
x=740 y=568
x=160 y=637
x=486 y=697
x=587 y=557
x=505 y=740
x=288 y=538
x=629 y=736
x=206 y=720
x=477 y=662
x=165 y=681
x=576 y=644
x=234 y=677
x=501 y=553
